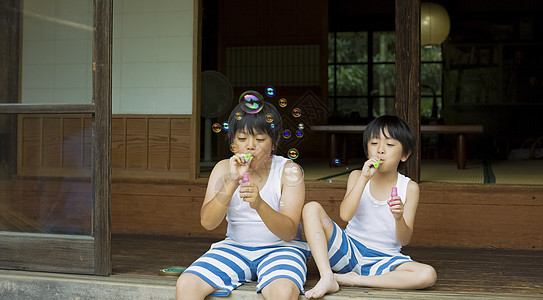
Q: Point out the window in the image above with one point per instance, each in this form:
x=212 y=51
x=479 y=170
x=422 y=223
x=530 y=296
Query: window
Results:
x=361 y=81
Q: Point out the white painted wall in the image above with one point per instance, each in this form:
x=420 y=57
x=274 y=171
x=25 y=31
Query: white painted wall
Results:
x=57 y=51
x=152 y=54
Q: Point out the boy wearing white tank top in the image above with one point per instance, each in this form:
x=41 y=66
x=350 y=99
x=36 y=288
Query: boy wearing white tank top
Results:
x=379 y=206
x=261 y=196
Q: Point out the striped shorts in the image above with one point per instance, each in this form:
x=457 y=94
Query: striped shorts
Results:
x=229 y=264
x=347 y=254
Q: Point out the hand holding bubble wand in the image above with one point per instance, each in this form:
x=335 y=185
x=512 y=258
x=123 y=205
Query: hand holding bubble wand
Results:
x=396 y=205
x=249 y=192
x=239 y=164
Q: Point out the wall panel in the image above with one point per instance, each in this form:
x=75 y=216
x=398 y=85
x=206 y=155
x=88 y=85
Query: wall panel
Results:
x=143 y=146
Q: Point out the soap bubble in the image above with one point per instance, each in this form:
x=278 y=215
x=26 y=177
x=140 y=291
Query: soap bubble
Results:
x=281 y=203
x=233 y=148
x=326 y=221
x=286 y=134
x=292 y=175
x=301 y=126
x=299 y=133
x=216 y=127
x=318 y=235
x=239 y=116
x=225 y=126
x=293 y=153
x=296 y=112
x=269 y=118
x=272 y=126
x=337 y=161
x=283 y=102
x=252 y=102
x=270 y=91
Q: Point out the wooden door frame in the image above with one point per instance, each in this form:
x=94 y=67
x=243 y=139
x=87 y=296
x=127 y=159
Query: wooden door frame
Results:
x=407 y=29
x=407 y=20
x=70 y=253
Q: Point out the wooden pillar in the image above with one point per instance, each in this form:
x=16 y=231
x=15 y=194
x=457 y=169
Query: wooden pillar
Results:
x=10 y=20
x=102 y=80
x=408 y=75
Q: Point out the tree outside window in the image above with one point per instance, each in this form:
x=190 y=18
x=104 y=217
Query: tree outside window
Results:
x=361 y=77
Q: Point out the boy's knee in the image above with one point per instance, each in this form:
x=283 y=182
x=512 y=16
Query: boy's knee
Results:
x=186 y=282
x=281 y=289
x=428 y=276
x=312 y=208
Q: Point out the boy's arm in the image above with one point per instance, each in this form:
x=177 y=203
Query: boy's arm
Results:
x=220 y=189
x=355 y=186
x=405 y=223
x=285 y=222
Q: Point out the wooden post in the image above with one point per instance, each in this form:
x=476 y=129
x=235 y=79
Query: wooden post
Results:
x=102 y=58
x=408 y=75
x=10 y=25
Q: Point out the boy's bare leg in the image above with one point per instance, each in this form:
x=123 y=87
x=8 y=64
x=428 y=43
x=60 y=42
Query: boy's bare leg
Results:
x=410 y=275
x=281 y=288
x=318 y=229
x=190 y=286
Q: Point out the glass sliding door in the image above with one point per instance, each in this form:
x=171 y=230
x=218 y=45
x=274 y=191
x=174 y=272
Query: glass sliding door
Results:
x=55 y=120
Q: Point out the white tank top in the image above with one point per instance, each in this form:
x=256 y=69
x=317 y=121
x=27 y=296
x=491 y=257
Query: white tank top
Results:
x=373 y=224
x=244 y=224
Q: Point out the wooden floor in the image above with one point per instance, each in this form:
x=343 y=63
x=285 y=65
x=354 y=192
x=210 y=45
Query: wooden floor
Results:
x=490 y=272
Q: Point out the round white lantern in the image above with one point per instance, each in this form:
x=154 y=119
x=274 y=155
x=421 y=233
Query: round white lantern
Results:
x=434 y=24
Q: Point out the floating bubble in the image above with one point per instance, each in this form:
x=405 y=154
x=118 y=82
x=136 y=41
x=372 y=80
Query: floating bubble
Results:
x=292 y=175
x=269 y=118
x=299 y=134
x=293 y=153
x=225 y=126
x=301 y=126
x=270 y=91
x=272 y=126
x=318 y=235
x=233 y=148
x=326 y=221
x=283 y=102
x=239 y=116
x=252 y=102
x=216 y=127
x=337 y=161
x=286 y=134
x=330 y=181
x=296 y=112
x=281 y=203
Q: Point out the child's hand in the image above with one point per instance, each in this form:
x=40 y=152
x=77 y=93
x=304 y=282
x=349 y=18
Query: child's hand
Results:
x=369 y=169
x=239 y=164
x=249 y=193
x=396 y=207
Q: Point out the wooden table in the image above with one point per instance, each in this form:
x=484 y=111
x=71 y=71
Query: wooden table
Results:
x=459 y=130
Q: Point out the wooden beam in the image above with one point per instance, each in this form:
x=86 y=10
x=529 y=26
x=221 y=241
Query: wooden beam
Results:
x=194 y=149
x=101 y=91
x=10 y=41
x=408 y=75
x=20 y=108
x=47 y=252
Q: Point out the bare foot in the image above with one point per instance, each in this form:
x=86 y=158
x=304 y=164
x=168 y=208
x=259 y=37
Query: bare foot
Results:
x=348 y=279
x=325 y=285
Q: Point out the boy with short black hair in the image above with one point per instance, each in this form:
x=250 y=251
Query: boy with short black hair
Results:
x=367 y=252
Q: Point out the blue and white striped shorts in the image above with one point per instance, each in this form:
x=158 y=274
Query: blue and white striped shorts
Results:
x=347 y=254
x=229 y=264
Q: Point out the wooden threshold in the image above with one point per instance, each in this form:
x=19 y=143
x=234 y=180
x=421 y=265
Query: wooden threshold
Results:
x=469 y=272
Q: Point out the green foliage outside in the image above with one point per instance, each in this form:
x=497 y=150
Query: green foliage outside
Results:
x=348 y=76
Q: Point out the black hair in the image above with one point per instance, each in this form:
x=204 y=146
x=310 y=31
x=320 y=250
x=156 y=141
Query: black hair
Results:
x=397 y=128
x=266 y=121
